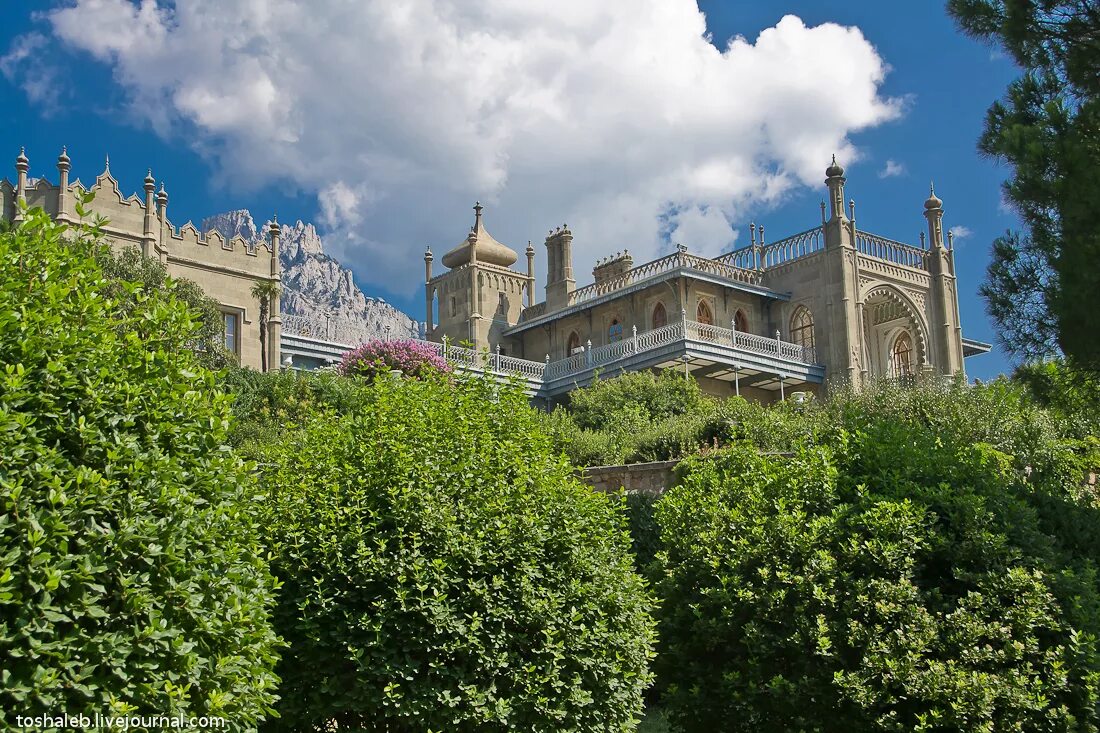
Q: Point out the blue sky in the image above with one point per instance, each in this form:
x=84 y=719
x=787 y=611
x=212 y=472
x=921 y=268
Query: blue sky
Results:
x=293 y=114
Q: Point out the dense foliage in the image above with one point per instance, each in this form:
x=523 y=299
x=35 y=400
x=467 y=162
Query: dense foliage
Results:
x=927 y=561
x=132 y=579
x=1073 y=395
x=124 y=269
x=378 y=357
x=1041 y=284
x=268 y=405
x=442 y=570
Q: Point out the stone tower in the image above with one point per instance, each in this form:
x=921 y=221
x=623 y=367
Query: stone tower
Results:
x=480 y=295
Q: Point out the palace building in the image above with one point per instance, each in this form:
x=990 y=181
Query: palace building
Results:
x=832 y=303
x=225 y=269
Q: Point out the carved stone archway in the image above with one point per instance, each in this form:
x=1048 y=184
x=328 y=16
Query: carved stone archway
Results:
x=887 y=312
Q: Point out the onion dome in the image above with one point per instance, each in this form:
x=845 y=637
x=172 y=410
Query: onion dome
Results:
x=933 y=201
x=835 y=170
x=63 y=159
x=149 y=182
x=488 y=249
x=22 y=163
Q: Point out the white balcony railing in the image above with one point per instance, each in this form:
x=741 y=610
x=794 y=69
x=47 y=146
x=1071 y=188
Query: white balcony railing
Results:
x=592 y=358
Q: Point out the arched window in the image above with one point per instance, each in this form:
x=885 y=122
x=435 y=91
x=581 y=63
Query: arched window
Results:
x=802 y=328
x=574 y=343
x=902 y=355
x=660 y=317
x=703 y=313
x=614 y=331
x=741 y=321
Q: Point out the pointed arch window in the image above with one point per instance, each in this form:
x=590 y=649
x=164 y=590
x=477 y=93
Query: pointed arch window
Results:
x=802 y=328
x=703 y=313
x=660 y=316
x=574 y=343
x=614 y=331
x=901 y=355
x=741 y=321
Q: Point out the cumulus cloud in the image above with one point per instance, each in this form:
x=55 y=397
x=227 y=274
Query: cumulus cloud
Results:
x=622 y=119
x=892 y=169
x=960 y=231
x=24 y=66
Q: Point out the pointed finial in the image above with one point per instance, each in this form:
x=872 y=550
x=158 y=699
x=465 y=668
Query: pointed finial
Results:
x=933 y=201
x=950 y=239
x=477 y=210
x=107 y=163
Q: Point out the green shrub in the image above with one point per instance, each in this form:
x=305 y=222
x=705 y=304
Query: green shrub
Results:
x=443 y=570
x=902 y=582
x=1070 y=393
x=268 y=404
x=128 y=267
x=645 y=535
x=653 y=396
x=131 y=575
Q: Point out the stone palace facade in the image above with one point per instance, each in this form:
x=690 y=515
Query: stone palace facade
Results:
x=833 y=303
x=226 y=269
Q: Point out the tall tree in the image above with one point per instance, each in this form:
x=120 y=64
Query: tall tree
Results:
x=265 y=292
x=1042 y=283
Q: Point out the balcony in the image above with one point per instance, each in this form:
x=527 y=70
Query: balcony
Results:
x=703 y=350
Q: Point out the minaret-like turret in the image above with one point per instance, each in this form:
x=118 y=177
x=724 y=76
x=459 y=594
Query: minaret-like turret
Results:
x=22 y=165
x=835 y=180
x=274 y=316
x=162 y=217
x=429 y=323
x=63 y=165
x=838 y=314
x=530 y=273
x=149 y=232
x=945 y=325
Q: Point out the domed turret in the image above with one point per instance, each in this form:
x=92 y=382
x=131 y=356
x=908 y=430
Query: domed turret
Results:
x=489 y=250
x=835 y=170
x=933 y=201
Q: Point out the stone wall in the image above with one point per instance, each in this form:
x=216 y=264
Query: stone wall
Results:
x=637 y=478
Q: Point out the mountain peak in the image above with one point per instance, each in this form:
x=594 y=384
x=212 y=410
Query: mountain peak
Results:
x=316 y=286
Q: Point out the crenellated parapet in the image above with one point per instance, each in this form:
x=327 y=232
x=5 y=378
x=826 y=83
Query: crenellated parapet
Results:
x=226 y=269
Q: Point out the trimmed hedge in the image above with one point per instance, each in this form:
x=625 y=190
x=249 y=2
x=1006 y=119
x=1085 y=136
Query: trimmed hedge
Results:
x=929 y=560
x=443 y=570
x=131 y=575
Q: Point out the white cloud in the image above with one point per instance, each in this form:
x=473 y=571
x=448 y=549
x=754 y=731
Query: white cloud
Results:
x=24 y=66
x=960 y=232
x=607 y=116
x=892 y=169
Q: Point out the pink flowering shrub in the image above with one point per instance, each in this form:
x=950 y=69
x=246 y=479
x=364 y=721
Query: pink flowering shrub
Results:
x=411 y=358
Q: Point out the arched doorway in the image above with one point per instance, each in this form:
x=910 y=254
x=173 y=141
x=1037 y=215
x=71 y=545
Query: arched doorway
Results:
x=741 y=321
x=573 y=344
x=703 y=314
x=893 y=335
x=901 y=355
x=660 y=316
x=802 y=328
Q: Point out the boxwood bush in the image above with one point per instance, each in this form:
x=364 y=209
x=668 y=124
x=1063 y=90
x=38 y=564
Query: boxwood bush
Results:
x=898 y=579
x=443 y=570
x=131 y=575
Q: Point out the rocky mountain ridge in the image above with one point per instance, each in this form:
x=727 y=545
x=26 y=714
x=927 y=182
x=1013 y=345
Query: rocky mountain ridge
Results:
x=319 y=294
